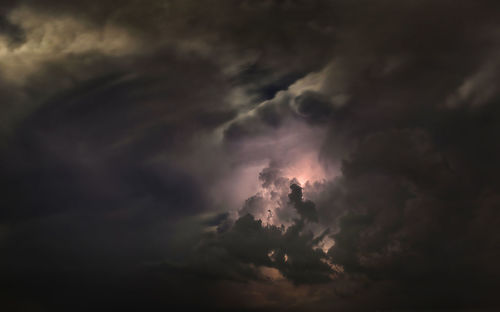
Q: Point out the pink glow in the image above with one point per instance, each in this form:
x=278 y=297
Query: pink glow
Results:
x=307 y=168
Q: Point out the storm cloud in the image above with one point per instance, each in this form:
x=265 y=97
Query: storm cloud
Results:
x=249 y=155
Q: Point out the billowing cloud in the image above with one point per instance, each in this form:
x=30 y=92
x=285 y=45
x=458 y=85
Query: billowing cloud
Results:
x=261 y=155
x=247 y=248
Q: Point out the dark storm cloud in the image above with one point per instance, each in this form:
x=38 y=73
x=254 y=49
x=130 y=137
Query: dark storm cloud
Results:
x=253 y=205
x=314 y=107
x=267 y=117
x=107 y=131
x=280 y=25
x=85 y=182
x=413 y=178
x=14 y=33
x=242 y=250
x=284 y=111
x=306 y=209
x=115 y=119
x=419 y=152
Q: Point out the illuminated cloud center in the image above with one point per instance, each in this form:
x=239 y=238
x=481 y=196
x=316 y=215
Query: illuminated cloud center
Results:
x=307 y=169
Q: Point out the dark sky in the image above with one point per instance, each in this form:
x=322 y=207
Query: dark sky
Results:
x=249 y=155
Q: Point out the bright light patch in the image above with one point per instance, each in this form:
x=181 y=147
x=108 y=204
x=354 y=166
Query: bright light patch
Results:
x=306 y=169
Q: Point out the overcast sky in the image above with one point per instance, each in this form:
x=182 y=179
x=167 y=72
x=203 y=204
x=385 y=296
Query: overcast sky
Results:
x=249 y=155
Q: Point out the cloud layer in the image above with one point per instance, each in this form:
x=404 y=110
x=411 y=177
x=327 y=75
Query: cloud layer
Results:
x=253 y=155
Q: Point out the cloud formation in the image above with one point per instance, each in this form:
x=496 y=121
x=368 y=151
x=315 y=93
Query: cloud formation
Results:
x=285 y=155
